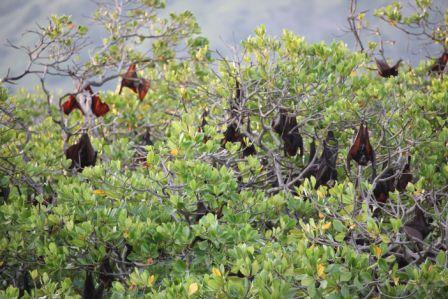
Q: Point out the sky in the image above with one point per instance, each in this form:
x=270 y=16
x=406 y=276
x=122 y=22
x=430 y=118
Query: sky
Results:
x=224 y=22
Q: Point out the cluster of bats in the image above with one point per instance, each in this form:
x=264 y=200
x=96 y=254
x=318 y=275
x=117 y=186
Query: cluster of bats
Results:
x=82 y=154
x=386 y=71
x=130 y=80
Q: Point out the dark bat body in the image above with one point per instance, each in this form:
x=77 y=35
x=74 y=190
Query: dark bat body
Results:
x=440 y=64
x=286 y=126
x=131 y=80
x=384 y=186
x=89 y=288
x=232 y=133
x=326 y=170
x=386 y=71
x=418 y=228
x=405 y=177
x=362 y=151
x=82 y=153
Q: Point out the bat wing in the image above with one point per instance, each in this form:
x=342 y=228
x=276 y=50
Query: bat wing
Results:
x=382 y=65
x=143 y=89
x=99 y=108
x=69 y=105
x=357 y=144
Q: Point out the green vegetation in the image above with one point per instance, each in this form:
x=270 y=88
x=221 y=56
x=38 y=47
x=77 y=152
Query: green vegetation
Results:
x=187 y=217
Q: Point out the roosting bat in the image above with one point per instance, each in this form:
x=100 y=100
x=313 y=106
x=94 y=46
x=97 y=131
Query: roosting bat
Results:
x=131 y=80
x=203 y=124
x=388 y=182
x=386 y=71
x=232 y=133
x=106 y=275
x=418 y=228
x=384 y=185
x=326 y=170
x=286 y=126
x=248 y=150
x=204 y=121
x=405 y=177
x=361 y=150
x=89 y=288
x=440 y=64
x=146 y=138
x=312 y=151
x=82 y=153
x=98 y=108
x=4 y=192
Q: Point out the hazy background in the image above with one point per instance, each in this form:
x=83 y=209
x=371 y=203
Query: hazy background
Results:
x=222 y=21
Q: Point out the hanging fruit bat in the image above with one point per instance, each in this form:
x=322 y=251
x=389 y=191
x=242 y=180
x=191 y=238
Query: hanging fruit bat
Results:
x=131 y=80
x=418 y=228
x=146 y=138
x=4 y=192
x=248 y=150
x=440 y=64
x=98 y=108
x=24 y=283
x=361 y=150
x=326 y=170
x=204 y=121
x=82 y=153
x=106 y=276
x=405 y=177
x=384 y=185
x=286 y=126
x=89 y=288
x=312 y=151
x=232 y=134
x=203 y=124
x=236 y=101
x=386 y=71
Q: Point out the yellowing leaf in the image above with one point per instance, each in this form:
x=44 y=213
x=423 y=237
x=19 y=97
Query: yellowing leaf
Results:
x=321 y=270
x=396 y=280
x=174 y=152
x=326 y=225
x=193 y=288
x=34 y=274
x=126 y=234
x=151 y=280
x=321 y=193
x=216 y=272
x=377 y=250
x=99 y=192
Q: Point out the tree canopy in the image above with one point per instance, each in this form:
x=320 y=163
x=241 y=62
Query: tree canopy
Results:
x=199 y=187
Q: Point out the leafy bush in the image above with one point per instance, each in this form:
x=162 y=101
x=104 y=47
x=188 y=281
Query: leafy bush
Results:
x=187 y=217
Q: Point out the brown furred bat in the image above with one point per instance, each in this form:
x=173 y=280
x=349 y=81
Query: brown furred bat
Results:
x=362 y=151
x=131 y=80
x=98 y=107
x=82 y=153
x=386 y=71
x=286 y=126
x=418 y=228
x=440 y=64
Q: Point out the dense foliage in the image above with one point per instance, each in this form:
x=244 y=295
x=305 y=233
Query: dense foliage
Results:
x=189 y=217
